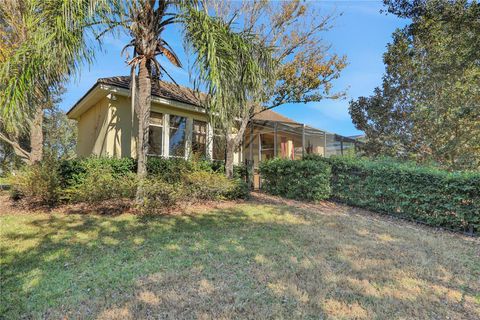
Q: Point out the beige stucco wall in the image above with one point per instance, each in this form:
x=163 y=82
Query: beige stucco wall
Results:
x=106 y=128
x=92 y=130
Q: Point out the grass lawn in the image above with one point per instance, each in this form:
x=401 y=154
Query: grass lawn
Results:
x=251 y=260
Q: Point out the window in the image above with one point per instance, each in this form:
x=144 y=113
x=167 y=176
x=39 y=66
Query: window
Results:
x=199 y=138
x=177 y=136
x=155 y=136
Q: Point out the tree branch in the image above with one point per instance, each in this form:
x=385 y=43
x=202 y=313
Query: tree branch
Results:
x=19 y=151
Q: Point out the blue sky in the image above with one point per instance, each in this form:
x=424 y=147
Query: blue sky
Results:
x=361 y=33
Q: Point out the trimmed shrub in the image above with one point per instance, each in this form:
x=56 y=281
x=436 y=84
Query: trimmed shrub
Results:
x=96 y=179
x=303 y=180
x=240 y=190
x=203 y=185
x=435 y=197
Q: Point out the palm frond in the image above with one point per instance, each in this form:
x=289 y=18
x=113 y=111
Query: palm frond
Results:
x=170 y=55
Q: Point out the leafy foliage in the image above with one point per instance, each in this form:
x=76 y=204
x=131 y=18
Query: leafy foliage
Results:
x=60 y=134
x=97 y=179
x=43 y=43
x=221 y=54
x=205 y=185
x=160 y=195
x=173 y=169
x=39 y=183
x=303 y=66
x=428 y=107
x=303 y=179
x=73 y=171
x=429 y=195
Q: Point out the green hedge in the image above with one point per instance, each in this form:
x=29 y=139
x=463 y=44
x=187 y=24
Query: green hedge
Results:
x=304 y=180
x=72 y=172
x=435 y=197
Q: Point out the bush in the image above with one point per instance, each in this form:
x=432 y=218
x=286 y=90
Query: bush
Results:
x=173 y=169
x=160 y=195
x=101 y=183
x=435 y=197
x=204 y=185
x=239 y=190
x=74 y=171
x=169 y=169
x=303 y=180
x=38 y=183
x=96 y=179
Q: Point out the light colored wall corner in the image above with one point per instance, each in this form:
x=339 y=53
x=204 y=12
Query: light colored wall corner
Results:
x=92 y=130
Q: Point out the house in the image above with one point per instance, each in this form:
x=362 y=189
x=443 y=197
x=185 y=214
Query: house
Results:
x=179 y=127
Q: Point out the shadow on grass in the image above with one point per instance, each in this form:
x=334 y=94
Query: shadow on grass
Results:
x=257 y=261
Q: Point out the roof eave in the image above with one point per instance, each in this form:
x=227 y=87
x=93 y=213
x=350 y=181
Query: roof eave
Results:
x=99 y=90
x=88 y=99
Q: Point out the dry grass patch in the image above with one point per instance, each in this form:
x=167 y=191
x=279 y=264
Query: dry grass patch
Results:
x=262 y=259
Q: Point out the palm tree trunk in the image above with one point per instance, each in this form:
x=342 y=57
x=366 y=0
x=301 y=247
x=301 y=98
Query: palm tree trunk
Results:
x=143 y=112
x=36 y=136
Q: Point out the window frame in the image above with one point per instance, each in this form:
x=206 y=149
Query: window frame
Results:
x=185 y=136
x=162 y=126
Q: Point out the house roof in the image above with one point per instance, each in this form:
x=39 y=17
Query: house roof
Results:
x=269 y=115
x=171 y=91
x=162 y=89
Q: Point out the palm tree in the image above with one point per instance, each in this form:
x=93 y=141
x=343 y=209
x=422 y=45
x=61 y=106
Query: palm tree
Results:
x=238 y=71
x=213 y=41
x=146 y=20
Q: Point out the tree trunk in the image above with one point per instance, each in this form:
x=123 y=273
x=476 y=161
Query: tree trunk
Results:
x=229 y=157
x=36 y=136
x=143 y=112
x=17 y=149
x=233 y=142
